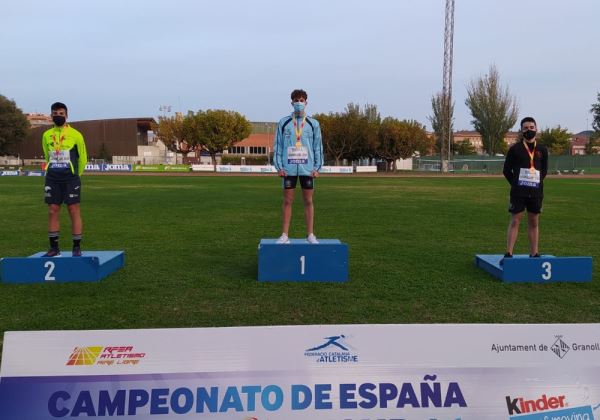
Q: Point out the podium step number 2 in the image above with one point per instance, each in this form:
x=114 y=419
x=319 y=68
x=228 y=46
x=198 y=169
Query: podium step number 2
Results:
x=300 y=261
x=91 y=266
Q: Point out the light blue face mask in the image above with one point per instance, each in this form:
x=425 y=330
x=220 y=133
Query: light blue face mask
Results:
x=299 y=107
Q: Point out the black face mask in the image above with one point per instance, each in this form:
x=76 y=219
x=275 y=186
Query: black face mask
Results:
x=529 y=134
x=59 y=120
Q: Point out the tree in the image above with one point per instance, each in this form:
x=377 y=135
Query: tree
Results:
x=439 y=120
x=596 y=114
x=557 y=139
x=593 y=144
x=465 y=147
x=351 y=134
x=493 y=108
x=174 y=133
x=216 y=130
x=400 y=139
x=13 y=125
x=330 y=127
x=368 y=127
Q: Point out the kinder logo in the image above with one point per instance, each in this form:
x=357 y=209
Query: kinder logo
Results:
x=522 y=406
x=98 y=355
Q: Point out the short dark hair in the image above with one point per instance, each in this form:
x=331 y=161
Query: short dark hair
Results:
x=299 y=93
x=527 y=119
x=58 y=105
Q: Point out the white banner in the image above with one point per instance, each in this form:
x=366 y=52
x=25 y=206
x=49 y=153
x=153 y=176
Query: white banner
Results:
x=366 y=169
x=333 y=372
x=203 y=168
x=34 y=173
x=336 y=169
x=246 y=168
x=404 y=164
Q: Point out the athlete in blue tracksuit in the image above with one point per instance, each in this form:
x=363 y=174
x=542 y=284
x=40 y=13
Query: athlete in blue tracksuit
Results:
x=298 y=153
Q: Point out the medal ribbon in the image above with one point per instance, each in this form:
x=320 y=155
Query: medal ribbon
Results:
x=531 y=156
x=299 y=131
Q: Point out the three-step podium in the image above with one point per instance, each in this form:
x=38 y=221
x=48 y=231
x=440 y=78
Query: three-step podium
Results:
x=546 y=269
x=300 y=261
x=91 y=266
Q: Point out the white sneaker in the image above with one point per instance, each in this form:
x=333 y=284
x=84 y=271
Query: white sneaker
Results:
x=283 y=239
x=312 y=239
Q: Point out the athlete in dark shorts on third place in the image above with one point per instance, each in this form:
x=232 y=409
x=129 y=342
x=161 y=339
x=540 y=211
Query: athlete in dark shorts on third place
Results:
x=525 y=168
x=66 y=157
x=298 y=154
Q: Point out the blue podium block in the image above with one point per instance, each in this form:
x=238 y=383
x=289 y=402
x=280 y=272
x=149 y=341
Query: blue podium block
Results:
x=326 y=261
x=546 y=269
x=91 y=266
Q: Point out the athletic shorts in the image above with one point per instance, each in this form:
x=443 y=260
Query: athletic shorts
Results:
x=519 y=204
x=68 y=192
x=306 y=182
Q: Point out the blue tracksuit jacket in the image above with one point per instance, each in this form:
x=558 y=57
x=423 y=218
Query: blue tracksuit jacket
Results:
x=311 y=140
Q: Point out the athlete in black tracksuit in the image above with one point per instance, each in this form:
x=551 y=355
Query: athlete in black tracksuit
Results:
x=525 y=168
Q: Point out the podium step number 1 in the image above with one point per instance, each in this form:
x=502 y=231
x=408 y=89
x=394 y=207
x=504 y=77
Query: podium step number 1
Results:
x=300 y=261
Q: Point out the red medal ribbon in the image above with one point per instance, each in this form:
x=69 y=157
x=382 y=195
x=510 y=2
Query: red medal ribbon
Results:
x=531 y=155
x=299 y=131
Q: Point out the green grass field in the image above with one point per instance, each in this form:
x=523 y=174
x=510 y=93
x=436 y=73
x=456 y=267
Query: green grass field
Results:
x=191 y=253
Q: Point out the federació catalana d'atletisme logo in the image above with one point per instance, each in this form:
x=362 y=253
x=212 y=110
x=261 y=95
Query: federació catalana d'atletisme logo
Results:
x=333 y=349
x=108 y=356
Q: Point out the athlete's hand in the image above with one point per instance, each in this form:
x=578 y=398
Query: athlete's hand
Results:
x=314 y=173
x=282 y=173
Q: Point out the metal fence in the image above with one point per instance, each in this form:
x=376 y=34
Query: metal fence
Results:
x=494 y=164
x=574 y=164
x=458 y=164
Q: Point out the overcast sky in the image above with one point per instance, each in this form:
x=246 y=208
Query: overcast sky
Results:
x=126 y=58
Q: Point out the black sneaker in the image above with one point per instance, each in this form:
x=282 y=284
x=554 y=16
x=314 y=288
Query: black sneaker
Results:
x=52 y=252
x=535 y=256
x=76 y=251
x=507 y=255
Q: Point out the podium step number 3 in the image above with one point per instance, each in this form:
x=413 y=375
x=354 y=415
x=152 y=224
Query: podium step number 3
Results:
x=91 y=266
x=546 y=269
x=300 y=261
